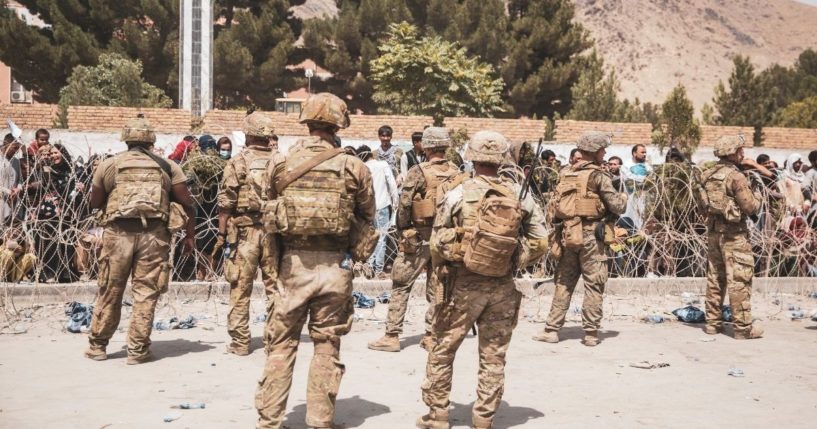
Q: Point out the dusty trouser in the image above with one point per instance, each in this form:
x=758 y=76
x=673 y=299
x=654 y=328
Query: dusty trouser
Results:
x=491 y=303
x=255 y=248
x=729 y=271
x=591 y=263
x=406 y=269
x=15 y=267
x=312 y=284
x=128 y=250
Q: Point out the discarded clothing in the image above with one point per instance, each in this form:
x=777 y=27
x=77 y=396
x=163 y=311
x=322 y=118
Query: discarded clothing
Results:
x=174 y=323
x=79 y=316
x=690 y=314
x=362 y=301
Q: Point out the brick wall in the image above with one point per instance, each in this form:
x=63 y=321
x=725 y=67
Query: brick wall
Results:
x=88 y=118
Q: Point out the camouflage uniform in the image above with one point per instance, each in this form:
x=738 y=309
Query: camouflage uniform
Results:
x=490 y=302
x=589 y=258
x=313 y=283
x=242 y=196
x=730 y=266
x=135 y=242
x=414 y=256
x=15 y=263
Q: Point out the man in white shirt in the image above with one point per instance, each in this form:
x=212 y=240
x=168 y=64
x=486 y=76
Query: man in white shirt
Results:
x=386 y=196
x=8 y=177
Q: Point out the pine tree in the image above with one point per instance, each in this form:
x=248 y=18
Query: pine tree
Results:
x=678 y=127
x=595 y=96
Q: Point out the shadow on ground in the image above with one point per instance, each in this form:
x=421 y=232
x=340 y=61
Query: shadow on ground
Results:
x=506 y=417
x=168 y=349
x=577 y=333
x=349 y=412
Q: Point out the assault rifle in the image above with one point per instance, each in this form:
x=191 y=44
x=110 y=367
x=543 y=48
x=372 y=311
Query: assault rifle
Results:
x=526 y=184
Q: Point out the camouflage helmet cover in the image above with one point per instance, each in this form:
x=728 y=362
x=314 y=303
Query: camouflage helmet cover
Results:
x=592 y=141
x=325 y=108
x=489 y=147
x=259 y=125
x=138 y=130
x=434 y=137
x=727 y=145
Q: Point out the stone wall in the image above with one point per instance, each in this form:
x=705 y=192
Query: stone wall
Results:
x=87 y=118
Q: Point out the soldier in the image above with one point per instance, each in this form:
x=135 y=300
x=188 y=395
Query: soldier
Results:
x=323 y=197
x=477 y=232
x=415 y=217
x=243 y=193
x=584 y=198
x=139 y=194
x=729 y=202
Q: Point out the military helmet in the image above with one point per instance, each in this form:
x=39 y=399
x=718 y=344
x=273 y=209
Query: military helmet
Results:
x=489 y=147
x=592 y=141
x=434 y=137
x=727 y=145
x=259 y=125
x=138 y=130
x=325 y=108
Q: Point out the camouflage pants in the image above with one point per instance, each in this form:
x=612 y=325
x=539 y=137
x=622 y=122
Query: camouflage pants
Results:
x=15 y=268
x=313 y=285
x=143 y=255
x=729 y=271
x=406 y=269
x=493 y=305
x=254 y=248
x=591 y=263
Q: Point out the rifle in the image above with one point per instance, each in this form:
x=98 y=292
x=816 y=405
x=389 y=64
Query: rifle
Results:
x=526 y=184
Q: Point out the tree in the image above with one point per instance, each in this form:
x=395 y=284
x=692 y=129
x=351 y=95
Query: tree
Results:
x=115 y=81
x=743 y=103
x=428 y=76
x=802 y=114
x=595 y=96
x=678 y=126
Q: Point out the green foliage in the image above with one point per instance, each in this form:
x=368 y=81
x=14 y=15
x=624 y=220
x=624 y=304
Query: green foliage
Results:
x=428 y=76
x=678 y=128
x=802 y=114
x=707 y=114
x=116 y=81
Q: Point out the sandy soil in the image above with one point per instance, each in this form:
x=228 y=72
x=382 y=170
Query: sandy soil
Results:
x=45 y=382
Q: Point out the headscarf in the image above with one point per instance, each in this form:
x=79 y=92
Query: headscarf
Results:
x=182 y=149
x=797 y=176
x=207 y=142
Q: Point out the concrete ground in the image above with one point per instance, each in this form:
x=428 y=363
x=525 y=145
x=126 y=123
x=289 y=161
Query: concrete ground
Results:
x=45 y=382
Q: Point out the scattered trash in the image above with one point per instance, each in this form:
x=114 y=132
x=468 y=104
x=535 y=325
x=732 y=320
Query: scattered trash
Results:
x=707 y=339
x=79 y=317
x=174 y=323
x=812 y=295
x=127 y=303
x=653 y=318
x=690 y=314
x=736 y=372
x=727 y=313
x=189 y=406
x=793 y=307
x=362 y=301
x=357 y=317
x=645 y=364
x=384 y=297
x=261 y=318
x=690 y=298
x=797 y=314
x=172 y=417
x=16 y=330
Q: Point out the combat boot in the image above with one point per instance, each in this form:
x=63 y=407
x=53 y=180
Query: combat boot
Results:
x=591 y=338
x=713 y=330
x=754 y=332
x=96 y=353
x=388 y=343
x=238 y=351
x=547 y=336
x=434 y=420
x=136 y=360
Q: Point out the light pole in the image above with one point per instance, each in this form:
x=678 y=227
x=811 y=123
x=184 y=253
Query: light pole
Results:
x=309 y=73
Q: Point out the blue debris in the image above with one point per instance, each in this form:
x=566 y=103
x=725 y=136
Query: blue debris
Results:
x=79 y=316
x=174 y=323
x=362 y=301
x=690 y=314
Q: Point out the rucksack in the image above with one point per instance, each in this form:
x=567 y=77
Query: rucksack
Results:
x=494 y=236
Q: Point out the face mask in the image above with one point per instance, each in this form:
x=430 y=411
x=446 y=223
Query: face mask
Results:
x=224 y=154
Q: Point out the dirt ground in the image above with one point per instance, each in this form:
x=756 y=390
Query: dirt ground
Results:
x=46 y=383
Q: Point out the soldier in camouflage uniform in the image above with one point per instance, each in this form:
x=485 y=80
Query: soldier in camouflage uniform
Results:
x=729 y=202
x=322 y=196
x=415 y=217
x=134 y=189
x=243 y=194
x=479 y=284
x=583 y=249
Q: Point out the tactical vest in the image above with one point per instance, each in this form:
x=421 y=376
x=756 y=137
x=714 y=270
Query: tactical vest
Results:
x=573 y=198
x=251 y=167
x=424 y=207
x=720 y=202
x=316 y=203
x=491 y=217
x=139 y=190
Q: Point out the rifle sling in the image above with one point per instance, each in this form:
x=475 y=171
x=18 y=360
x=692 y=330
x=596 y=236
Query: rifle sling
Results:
x=305 y=167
